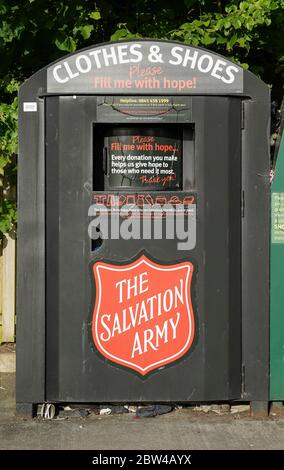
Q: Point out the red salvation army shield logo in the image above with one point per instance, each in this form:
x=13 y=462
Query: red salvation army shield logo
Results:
x=143 y=317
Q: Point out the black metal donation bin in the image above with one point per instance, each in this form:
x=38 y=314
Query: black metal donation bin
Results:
x=143 y=229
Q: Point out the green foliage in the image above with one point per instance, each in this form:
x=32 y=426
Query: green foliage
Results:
x=8 y=126
x=8 y=215
x=95 y=15
x=34 y=33
x=232 y=31
x=8 y=149
x=123 y=33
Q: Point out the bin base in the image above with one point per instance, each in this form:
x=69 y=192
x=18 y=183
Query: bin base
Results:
x=259 y=409
x=277 y=407
x=27 y=410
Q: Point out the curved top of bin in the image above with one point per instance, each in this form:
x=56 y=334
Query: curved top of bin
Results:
x=144 y=67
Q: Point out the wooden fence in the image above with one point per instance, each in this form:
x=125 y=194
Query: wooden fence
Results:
x=7 y=289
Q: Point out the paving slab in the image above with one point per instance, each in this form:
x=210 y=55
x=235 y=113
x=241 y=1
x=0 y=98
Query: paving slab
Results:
x=181 y=429
x=7 y=362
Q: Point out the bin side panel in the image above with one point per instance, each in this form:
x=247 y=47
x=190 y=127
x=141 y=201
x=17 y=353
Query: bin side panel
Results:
x=276 y=281
x=255 y=248
x=30 y=378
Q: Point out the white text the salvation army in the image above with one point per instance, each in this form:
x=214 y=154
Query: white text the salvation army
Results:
x=154 y=320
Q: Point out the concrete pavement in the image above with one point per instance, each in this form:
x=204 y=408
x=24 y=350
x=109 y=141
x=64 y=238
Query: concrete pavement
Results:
x=181 y=429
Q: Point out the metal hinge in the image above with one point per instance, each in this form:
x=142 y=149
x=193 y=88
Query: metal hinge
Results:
x=243 y=204
x=243 y=116
x=243 y=379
